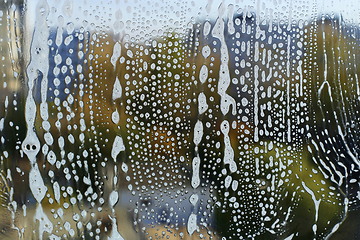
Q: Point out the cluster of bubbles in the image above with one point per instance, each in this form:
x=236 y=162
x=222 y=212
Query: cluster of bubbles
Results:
x=140 y=121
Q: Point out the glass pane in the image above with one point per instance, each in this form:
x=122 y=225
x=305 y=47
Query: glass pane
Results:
x=179 y=119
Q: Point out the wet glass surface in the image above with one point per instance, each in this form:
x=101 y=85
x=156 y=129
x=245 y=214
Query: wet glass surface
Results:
x=179 y=119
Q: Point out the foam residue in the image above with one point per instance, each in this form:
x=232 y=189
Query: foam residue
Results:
x=37 y=185
x=316 y=204
x=224 y=73
x=195 y=179
x=116 y=54
x=115 y=235
x=44 y=223
x=116 y=89
x=115 y=117
x=39 y=51
x=113 y=198
x=229 y=151
x=191 y=224
x=203 y=75
x=203 y=106
x=117 y=147
x=198 y=132
x=56 y=189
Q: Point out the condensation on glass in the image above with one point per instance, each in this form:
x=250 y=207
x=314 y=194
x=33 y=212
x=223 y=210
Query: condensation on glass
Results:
x=179 y=119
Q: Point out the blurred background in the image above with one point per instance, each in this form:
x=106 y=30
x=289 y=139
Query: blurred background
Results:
x=179 y=120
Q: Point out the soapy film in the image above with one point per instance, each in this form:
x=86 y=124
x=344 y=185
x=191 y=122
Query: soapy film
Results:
x=138 y=121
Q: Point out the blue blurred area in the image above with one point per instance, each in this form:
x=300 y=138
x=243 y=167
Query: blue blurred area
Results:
x=67 y=75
